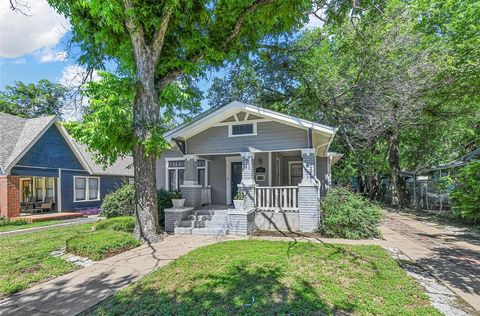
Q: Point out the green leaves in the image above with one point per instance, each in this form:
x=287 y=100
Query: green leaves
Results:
x=466 y=193
x=29 y=101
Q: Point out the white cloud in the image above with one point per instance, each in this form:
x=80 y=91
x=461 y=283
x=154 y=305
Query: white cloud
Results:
x=49 y=55
x=22 y=34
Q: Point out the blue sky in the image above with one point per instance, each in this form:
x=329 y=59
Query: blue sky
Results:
x=33 y=47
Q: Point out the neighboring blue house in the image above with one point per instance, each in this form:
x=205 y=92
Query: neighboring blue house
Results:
x=40 y=161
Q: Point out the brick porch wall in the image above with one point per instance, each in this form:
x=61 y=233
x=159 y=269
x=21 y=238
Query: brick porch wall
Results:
x=9 y=196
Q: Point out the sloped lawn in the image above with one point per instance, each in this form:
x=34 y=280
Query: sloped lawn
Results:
x=274 y=278
x=25 y=259
x=6 y=228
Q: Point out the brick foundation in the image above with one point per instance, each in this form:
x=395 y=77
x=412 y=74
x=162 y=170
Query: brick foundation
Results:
x=9 y=196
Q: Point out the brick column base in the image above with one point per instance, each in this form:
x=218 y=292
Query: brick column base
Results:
x=192 y=195
x=9 y=196
x=308 y=208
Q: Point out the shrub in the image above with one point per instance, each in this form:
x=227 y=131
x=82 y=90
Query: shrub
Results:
x=177 y=195
x=122 y=223
x=349 y=215
x=119 y=203
x=9 y=222
x=164 y=201
x=101 y=244
x=465 y=195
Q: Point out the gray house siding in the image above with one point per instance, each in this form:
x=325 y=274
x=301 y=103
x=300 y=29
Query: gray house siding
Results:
x=270 y=136
x=161 y=166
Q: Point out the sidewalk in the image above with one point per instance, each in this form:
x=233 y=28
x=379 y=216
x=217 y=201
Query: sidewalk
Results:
x=452 y=257
x=65 y=222
x=77 y=291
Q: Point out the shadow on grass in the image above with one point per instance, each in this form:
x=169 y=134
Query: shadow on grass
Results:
x=239 y=289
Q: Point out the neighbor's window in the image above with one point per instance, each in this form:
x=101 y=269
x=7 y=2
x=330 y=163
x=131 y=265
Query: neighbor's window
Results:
x=49 y=187
x=39 y=188
x=242 y=129
x=86 y=189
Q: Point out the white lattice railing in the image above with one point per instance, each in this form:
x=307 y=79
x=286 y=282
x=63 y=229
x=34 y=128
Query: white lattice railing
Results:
x=277 y=198
x=207 y=195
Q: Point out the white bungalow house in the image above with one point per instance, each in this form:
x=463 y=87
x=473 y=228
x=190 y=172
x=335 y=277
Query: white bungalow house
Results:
x=282 y=164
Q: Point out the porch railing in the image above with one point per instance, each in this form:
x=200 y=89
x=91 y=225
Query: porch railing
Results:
x=277 y=198
x=206 y=195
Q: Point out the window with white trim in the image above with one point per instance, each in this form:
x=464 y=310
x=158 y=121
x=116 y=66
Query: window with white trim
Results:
x=86 y=189
x=244 y=129
x=176 y=171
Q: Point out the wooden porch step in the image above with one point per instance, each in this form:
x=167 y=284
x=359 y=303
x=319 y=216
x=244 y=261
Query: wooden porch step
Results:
x=49 y=216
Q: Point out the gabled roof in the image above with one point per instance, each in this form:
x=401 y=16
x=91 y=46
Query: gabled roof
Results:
x=215 y=115
x=18 y=135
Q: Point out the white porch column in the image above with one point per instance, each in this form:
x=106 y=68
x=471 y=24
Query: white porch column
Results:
x=308 y=199
x=191 y=190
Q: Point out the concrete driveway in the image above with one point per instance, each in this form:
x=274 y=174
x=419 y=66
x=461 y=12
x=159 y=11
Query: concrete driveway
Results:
x=450 y=254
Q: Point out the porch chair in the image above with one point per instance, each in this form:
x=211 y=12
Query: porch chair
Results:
x=47 y=205
x=32 y=206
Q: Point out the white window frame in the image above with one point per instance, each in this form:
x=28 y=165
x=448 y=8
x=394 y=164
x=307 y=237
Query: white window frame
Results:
x=230 y=128
x=167 y=173
x=87 y=193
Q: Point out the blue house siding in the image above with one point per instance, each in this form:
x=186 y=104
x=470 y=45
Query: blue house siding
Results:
x=107 y=184
x=52 y=151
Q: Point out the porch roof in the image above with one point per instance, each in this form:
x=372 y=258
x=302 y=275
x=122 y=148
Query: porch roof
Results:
x=216 y=115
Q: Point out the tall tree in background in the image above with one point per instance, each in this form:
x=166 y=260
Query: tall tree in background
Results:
x=33 y=100
x=384 y=80
x=157 y=42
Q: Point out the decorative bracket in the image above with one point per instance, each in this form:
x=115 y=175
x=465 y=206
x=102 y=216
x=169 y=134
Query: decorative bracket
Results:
x=180 y=143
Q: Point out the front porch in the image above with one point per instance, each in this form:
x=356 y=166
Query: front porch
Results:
x=280 y=190
x=48 y=216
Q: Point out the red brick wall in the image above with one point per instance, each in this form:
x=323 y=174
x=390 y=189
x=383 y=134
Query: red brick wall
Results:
x=9 y=196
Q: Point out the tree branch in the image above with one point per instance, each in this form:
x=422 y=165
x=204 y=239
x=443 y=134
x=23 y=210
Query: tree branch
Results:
x=136 y=33
x=241 y=20
x=159 y=36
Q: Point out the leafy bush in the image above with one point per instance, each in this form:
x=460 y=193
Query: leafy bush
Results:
x=239 y=196
x=122 y=223
x=465 y=196
x=119 y=203
x=122 y=203
x=349 y=215
x=11 y=222
x=101 y=244
x=164 y=201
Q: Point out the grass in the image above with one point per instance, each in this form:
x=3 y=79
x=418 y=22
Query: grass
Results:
x=101 y=244
x=274 y=278
x=122 y=223
x=25 y=259
x=25 y=226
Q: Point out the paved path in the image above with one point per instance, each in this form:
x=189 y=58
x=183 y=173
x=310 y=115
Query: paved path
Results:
x=77 y=291
x=65 y=222
x=452 y=255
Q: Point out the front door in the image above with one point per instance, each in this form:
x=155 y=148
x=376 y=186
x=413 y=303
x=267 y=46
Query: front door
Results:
x=236 y=177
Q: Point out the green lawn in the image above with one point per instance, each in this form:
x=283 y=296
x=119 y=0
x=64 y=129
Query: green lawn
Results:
x=274 y=278
x=36 y=224
x=25 y=259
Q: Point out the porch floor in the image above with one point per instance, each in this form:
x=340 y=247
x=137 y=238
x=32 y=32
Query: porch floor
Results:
x=215 y=207
x=49 y=216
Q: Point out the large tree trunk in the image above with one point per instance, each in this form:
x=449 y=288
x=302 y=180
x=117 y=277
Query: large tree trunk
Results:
x=394 y=163
x=145 y=115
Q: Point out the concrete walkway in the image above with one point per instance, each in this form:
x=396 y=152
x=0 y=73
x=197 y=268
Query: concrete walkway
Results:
x=77 y=291
x=65 y=222
x=451 y=255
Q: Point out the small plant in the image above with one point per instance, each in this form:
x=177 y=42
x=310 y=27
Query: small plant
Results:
x=119 y=203
x=176 y=195
x=122 y=223
x=9 y=222
x=349 y=215
x=164 y=201
x=101 y=244
x=239 y=196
